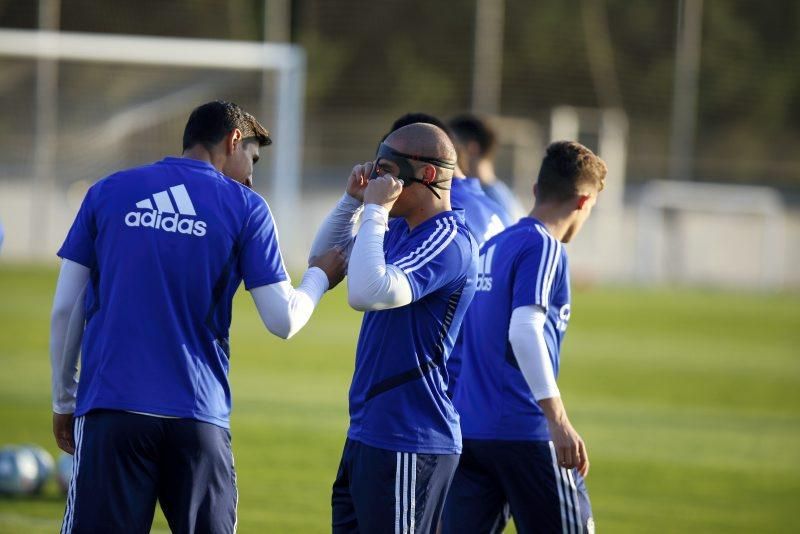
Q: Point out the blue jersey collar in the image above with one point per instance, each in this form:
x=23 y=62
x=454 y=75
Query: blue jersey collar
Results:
x=533 y=221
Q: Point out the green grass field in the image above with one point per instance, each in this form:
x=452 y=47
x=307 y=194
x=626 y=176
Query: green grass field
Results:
x=689 y=402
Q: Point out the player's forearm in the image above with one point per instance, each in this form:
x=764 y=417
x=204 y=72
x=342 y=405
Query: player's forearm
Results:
x=66 y=333
x=371 y=283
x=285 y=310
x=554 y=411
x=526 y=335
x=338 y=228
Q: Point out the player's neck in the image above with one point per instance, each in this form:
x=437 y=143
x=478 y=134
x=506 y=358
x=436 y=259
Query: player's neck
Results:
x=555 y=219
x=422 y=213
x=200 y=153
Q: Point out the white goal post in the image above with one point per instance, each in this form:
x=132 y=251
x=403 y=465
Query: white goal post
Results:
x=660 y=198
x=287 y=61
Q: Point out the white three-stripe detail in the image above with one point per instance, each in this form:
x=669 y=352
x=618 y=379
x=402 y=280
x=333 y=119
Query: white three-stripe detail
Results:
x=445 y=239
x=405 y=493
x=568 y=501
x=547 y=267
x=540 y=275
x=69 y=515
x=547 y=279
x=423 y=251
x=182 y=200
x=557 y=472
x=578 y=521
x=556 y=256
x=397 y=497
x=412 y=517
x=164 y=204
x=424 y=244
x=405 y=521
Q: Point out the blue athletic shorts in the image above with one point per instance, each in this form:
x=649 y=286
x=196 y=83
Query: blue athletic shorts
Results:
x=124 y=462
x=378 y=490
x=498 y=479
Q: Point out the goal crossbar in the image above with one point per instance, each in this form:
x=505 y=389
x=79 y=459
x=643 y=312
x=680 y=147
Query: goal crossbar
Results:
x=287 y=61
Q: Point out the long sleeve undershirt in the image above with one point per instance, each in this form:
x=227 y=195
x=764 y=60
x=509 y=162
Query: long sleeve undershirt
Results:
x=338 y=228
x=371 y=283
x=526 y=335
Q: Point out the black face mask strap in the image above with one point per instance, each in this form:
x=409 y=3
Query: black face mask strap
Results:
x=406 y=171
x=433 y=185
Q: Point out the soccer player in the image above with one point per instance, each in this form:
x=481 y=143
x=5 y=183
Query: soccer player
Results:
x=150 y=267
x=483 y=216
x=414 y=276
x=476 y=144
x=520 y=449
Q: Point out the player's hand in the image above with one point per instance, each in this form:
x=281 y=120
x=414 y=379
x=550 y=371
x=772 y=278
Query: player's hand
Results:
x=383 y=191
x=333 y=262
x=570 y=448
x=62 y=430
x=357 y=182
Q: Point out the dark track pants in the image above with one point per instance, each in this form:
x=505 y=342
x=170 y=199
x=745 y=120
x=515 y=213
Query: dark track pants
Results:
x=383 y=491
x=124 y=462
x=496 y=479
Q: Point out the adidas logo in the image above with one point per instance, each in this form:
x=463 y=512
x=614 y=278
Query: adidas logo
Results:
x=164 y=215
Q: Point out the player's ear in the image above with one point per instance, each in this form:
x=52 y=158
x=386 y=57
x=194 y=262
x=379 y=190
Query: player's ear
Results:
x=582 y=199
x=428 y=174
x=233 y=139
x=535 y=190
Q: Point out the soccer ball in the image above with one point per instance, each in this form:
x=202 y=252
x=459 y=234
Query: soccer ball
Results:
x=18 y=471
x=45 y=463
x=64 y=470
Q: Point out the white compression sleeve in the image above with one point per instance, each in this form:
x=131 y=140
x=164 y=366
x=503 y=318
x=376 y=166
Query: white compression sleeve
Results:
x=526 y=334
x=66 y=333
x=371 y=284
x=284 y=309
x=338 y=228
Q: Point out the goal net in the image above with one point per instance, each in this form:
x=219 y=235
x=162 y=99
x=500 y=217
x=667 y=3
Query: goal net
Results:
x=80 y=106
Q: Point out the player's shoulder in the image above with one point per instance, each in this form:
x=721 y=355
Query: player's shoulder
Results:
x=462 y=245
x=443 y=240
x=120 y=178
x=526 y=235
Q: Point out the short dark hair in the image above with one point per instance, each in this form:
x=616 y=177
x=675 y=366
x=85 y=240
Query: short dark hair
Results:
x=418 y=118
x=210 y=123
x=468 y=127
x=565 y=167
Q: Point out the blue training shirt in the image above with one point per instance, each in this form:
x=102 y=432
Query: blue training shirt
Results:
x=485 y=218
x=398 y=396
x=523 y=265
x=168 y=245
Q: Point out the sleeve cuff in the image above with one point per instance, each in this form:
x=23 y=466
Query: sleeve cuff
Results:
x=349 y=203
x=64 y=408
x=379 y=214
x=316 y=283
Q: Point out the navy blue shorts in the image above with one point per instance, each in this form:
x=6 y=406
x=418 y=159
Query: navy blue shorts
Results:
x=124 y=462
x=378 y=490
x=496 y=479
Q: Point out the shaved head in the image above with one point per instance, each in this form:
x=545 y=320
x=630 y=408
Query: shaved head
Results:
x=424 y=140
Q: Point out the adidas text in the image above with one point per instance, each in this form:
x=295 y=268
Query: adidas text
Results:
x=168 y=223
